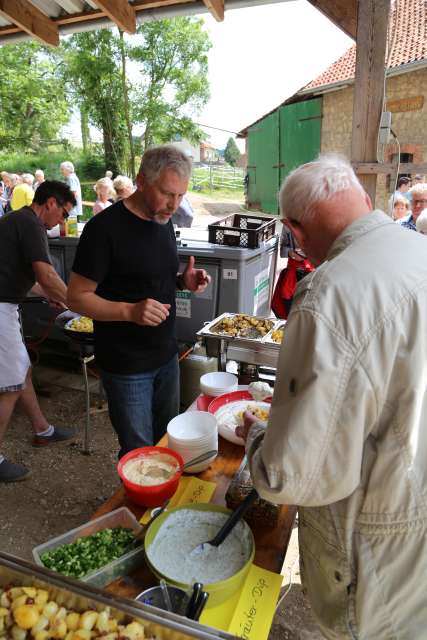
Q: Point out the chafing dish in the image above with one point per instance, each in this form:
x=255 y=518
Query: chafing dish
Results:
x=260 y=351
x=79 y=596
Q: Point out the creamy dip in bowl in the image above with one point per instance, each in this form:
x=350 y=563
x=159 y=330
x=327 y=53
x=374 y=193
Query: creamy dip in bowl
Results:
x=150 y=470
x=172 y=539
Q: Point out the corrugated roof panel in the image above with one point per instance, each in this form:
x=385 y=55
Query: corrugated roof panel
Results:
x=49 y=7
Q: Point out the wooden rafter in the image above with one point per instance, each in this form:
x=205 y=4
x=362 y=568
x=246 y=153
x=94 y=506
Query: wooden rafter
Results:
x=343 y=14
x=89 y=16
x=31 y=20
x=120 y=12
x=216 y=7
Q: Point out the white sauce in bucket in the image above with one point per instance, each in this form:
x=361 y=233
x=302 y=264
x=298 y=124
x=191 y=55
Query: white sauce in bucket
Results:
x=172 y=550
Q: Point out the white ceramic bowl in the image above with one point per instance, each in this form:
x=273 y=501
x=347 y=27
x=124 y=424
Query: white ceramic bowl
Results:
x=192 y=426
x=217 y=383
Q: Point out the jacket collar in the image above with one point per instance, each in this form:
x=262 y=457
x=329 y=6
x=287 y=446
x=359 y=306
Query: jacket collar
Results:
x=356 y=229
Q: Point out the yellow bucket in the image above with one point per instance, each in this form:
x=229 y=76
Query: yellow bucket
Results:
x=218 y=591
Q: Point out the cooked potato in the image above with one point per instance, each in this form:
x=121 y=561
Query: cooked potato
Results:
x=82 y=324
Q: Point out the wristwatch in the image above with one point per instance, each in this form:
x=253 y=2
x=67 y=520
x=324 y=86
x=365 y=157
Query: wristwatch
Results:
x=180 y=282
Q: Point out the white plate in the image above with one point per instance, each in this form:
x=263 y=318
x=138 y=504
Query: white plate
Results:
x=227 y=420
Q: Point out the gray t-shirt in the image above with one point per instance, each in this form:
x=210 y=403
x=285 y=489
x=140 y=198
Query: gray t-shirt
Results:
x=23 y=240
x=74 y=184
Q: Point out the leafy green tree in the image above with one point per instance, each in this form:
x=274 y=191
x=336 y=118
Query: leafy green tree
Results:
x=173 y=63
x=231 y=153
x=33 y=106
x=91 y=67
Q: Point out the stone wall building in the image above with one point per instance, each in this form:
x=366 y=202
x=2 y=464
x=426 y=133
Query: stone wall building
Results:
x=405 y=98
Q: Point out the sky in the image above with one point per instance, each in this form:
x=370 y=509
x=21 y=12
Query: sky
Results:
x=259 y=57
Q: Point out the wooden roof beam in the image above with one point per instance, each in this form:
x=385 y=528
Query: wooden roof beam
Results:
x=343 y=14
x=31 y=20
x=120 y=12
x=216 y=7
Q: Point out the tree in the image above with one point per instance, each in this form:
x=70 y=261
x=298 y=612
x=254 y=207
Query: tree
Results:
x=91 y=66
x=33 y=106
x=173 y=64
x=231 y=153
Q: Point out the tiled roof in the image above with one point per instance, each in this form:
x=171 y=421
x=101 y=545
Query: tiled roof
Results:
x=407 y=38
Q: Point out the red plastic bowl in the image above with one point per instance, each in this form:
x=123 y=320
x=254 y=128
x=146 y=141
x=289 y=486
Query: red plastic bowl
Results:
x=152 y=495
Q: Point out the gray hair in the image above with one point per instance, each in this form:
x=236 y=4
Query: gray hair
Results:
x=421 y=222
x=314 y=182
x=28 y=178
x=166 y=156
x=39 y=173
x=67 y=165
x=420 y=187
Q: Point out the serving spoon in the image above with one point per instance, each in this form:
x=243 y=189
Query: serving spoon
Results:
x=229 y=524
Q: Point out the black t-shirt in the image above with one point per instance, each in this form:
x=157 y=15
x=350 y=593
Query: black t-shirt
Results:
x=130 y=259
x=23 y=240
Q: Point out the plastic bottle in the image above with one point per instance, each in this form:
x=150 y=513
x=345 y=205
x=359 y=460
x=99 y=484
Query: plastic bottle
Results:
x=191 y=369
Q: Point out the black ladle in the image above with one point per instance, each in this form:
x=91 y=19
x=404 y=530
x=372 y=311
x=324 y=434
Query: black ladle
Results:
x=230 y=523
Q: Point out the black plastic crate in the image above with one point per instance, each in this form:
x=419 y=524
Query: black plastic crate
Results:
x=238 y=230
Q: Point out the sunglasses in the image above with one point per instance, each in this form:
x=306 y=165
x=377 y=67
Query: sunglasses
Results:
x=65 y=213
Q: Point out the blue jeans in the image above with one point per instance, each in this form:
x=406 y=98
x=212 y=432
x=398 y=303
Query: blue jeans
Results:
x=142 y=404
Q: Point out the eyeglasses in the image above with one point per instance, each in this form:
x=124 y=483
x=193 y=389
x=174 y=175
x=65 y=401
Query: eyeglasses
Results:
x=65 y=213
x=414 y=201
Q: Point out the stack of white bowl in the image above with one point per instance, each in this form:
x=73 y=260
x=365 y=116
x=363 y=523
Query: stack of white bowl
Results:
x=191 y=434
x=217 y=383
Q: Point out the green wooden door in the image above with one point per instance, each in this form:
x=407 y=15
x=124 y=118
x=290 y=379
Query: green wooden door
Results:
x=300 y=125
x=263 y=163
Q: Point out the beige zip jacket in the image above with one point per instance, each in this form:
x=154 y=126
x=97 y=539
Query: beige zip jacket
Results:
x=347 y=435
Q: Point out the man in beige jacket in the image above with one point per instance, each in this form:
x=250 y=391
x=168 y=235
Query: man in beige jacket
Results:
x=347 y=434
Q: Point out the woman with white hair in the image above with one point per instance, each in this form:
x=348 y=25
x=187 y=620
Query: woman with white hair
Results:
x=104 y=191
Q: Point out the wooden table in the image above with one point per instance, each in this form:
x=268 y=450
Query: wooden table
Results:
x=271 y=543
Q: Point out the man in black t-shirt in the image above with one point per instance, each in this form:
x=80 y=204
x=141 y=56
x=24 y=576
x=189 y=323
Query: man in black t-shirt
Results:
x=125 y=278
x=25 y=260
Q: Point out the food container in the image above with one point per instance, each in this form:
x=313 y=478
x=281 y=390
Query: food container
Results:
x=218 y=591
x=80 y=597
x=150 y=495
x=270 y=337
x=154 y=597
x=120 y=566
x=217 y=383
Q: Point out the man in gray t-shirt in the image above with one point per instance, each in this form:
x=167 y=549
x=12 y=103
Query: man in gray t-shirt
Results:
x=67 y=170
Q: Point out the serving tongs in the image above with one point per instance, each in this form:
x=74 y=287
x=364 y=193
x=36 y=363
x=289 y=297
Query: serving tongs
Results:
x=197 y=602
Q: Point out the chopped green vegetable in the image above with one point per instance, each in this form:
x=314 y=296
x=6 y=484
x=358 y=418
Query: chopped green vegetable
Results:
x=89 y=553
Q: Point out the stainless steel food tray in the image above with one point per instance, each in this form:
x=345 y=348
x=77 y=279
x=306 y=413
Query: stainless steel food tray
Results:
x=207 y=329
x=279 y=325
x=259 y=351
x=159 y=624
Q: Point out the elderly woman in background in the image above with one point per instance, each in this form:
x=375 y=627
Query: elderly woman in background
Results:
x=400 y=208
x=123 y=187
x=418 y=203
x=23 y=193
x=104 y=191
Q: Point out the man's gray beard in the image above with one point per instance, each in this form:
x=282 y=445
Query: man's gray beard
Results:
x=158 y=218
